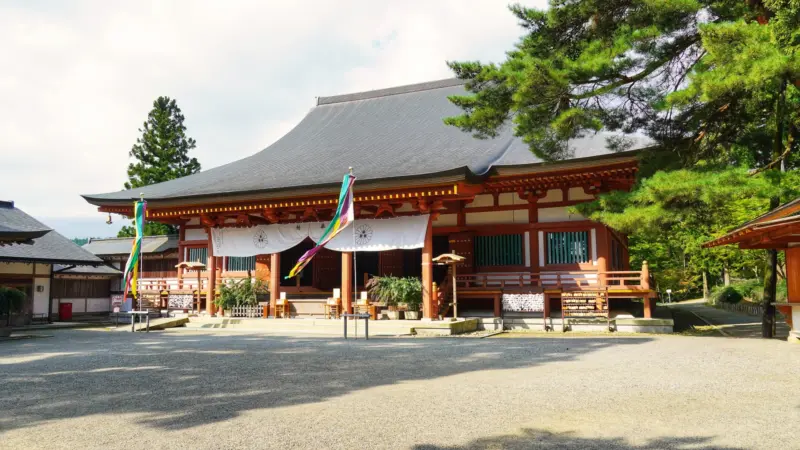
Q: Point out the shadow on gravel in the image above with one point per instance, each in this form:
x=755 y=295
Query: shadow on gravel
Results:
x=181 y=380
x=530 y=438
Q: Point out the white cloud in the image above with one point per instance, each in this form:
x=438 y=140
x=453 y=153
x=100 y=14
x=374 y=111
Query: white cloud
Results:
x=79 y=78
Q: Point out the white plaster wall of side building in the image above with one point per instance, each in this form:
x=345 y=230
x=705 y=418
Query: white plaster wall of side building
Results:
x=193 y=221
x=446 y=220
x=558 y=214
x=497 y=217
x=196 y=234
x=78 y=304
x=40 y=299
x=16 y=268
x=100 y=304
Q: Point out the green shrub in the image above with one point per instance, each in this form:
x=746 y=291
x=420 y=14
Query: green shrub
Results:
x=395 y=290
x=11 y=300
x=726 y=294
x=242 y=292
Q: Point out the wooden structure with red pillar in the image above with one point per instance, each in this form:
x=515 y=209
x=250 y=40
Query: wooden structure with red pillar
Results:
x=489 y=200
x=778 y=229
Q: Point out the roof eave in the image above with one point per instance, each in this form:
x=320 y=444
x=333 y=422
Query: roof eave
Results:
x=99 y=262
x=454 y=175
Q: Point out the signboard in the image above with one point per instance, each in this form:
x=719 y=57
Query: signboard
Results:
x=523 y=302
x=584 y=304
x=118 y=303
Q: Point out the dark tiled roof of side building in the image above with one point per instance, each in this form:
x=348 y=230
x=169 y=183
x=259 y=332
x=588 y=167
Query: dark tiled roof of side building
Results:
x=87 y=270
x=122 y=246
x=388 y=134
x=50 y=248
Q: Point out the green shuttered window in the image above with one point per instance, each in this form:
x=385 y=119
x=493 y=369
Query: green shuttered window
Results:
x=568 y=247
x=245 y=263
x=500 y=250
x=198 y=254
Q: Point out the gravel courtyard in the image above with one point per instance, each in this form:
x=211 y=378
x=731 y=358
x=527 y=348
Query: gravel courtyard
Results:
x=193 y=390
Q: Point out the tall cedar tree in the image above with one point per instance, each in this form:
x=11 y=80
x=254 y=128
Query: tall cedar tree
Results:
x=715 y=83
x=161 y=154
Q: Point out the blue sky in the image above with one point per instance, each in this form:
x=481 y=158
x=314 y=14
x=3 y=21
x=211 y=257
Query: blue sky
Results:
x=79 y=78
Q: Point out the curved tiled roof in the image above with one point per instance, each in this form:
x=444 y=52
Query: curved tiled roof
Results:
x=395 y=133
x=49 y=248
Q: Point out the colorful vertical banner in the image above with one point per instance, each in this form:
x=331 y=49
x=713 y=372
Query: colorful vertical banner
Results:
x=343 y=217
x=132 y=267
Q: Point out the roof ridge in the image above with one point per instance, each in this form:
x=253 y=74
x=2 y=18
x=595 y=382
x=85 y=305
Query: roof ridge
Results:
x=397 y=90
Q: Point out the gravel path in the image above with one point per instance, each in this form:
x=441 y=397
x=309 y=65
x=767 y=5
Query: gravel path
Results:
x=198 y=390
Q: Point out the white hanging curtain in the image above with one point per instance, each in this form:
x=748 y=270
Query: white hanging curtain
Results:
x=371 y=235
x=377 y=235
x=258 y=240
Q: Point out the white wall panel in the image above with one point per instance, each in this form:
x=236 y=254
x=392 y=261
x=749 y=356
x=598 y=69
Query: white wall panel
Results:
x=196 y=234
x=559 y=214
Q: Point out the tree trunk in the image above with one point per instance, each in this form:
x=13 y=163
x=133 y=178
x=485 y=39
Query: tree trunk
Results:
x=705 y=286
x=726 y=276
x=770 y=285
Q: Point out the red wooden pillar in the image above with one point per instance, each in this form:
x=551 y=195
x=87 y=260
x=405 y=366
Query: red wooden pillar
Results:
x=603 y=253
x=211 y=268
x=648 y=299
x=429 y=310
x=274 y=281
x=181 y=253
x=347 y=282
x=263 y=274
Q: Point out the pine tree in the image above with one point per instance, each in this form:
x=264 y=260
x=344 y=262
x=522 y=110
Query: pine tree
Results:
x=715 y=83
x=161 y=154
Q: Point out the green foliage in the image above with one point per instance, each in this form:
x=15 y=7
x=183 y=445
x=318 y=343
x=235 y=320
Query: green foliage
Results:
x=11 y=300
x=726 y=294
x=671 y=214
x=80 y=242
x=700 y=77
x=714 y=83
x=161 y=154
x=750 y=290
x=395 y=290
x=242 y=292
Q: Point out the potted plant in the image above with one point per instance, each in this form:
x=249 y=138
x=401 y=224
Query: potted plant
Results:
x=11 y=301
x=394 y=291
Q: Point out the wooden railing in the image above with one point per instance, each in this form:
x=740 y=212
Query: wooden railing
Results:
x=171 y=284
x=578 y=280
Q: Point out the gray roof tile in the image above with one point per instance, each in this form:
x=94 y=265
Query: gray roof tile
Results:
x=86 y=270
x=52 y=247
x=385 y=134
x=122 y=246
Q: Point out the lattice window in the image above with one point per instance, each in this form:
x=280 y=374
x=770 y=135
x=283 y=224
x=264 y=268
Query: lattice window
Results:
x=567 y=247
x=236 y=263
x=198 y=254
x=499 y=250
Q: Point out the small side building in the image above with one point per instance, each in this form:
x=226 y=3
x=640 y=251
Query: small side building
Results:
x=29 y=265
x=159 y=256
x=778 y=229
